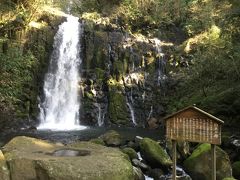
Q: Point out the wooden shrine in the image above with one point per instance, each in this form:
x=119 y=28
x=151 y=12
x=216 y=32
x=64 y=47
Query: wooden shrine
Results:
x=194 y=125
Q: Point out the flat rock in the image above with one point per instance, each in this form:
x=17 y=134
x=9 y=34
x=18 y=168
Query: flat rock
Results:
x=30 y=158
x=4 y=172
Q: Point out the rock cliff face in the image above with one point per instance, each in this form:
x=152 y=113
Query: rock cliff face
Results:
x=124 y=77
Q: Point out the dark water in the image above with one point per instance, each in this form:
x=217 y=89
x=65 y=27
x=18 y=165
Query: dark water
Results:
x=67 y=137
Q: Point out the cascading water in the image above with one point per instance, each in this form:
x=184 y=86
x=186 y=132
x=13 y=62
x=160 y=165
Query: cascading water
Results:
x=161 y=64
x=101 y=116
x=59 y=109
x=150 y=113
x=131 y=112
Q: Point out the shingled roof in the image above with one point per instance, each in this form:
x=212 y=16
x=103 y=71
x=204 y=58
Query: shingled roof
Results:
x=198 y=110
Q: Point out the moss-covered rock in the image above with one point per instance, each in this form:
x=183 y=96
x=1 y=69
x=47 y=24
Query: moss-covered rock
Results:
x=30 y=158
x=132 y=154
x=97 y=141
x=4 y=172
x=112 y=138
x=229 y=178
x=154 y=154
x=118 y=111
x=236 y=169
x=198 y=165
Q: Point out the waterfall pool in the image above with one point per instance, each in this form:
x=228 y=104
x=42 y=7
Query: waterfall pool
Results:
x=66 y=137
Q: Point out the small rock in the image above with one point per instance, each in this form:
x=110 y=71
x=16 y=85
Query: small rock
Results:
x=138 y=139
x=138 y=174
x=183 y=148
x=236 y=143
x=236 y=169
x=140 y=164
x=153 y=123
x=112 y=138
x=155 y=173
x=133 y=145
x=131 y=153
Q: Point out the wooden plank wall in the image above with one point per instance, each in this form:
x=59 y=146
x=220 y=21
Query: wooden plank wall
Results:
x=193 y=129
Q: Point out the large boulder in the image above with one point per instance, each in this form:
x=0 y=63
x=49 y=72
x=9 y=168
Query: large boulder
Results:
x=4 y=172
x=154 y=154
x=236 y=169
x=198 y=165
x=30 y=158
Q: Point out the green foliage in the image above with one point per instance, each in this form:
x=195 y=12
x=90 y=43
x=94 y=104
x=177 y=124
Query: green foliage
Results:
x=17 y=77
x=211 y=79
x=23 y=55
x=118 y=111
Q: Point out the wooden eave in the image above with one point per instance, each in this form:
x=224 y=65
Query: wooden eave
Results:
x=197 y=109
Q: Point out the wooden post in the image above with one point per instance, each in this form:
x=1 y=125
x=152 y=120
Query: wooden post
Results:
x=174 y=151
x=213 y=150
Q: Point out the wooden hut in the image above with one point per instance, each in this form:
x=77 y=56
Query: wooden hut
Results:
x=195 y=125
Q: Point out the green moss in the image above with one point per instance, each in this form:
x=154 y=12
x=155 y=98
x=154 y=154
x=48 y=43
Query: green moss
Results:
x=118 y=111
x=229 y=178
x=97 y=141
x=197 y=152
x=198 y=165
x=154 y=153
x=100 y=73
x=131 y=153
x=119 y=69
x=236 y=169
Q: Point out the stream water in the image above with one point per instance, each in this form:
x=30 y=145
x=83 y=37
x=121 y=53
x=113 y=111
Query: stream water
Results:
x=66 y=137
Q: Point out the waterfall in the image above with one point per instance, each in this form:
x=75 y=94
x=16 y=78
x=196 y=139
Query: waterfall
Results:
x=59 y=108
x=150 y=113
x=160 y=63
x=132 y=59
x=129 y=104
x=132 y=112
x=101 y=116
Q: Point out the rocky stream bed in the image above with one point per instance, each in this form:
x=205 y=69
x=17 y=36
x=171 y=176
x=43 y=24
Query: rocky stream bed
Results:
x=104 y=153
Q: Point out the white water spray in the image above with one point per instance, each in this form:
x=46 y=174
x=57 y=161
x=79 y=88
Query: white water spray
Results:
x=59 y=110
